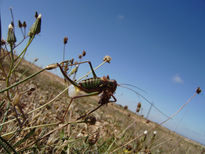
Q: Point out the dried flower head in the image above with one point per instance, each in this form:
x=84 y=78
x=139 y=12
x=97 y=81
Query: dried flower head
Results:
x=76 y=63
x=139 y=105
x=20 y=24
x=198 y=90
x=36 y=59
x=137 y=110
x=128 y=148
x=24 y=24
x=84 y=53
x=91 y=120
x=36 y=14
x=125 y=107
x=107 y=59
x=65 y=40
x=11 y=38
x=80 y=56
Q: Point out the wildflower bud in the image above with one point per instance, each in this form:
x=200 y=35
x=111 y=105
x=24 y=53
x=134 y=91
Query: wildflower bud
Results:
x=80 y=56
x=16 y=99
x=90 y=120
x=11 y=38
x=36 y=27
x=20 y=24
x=74 y=70
x=51 y=66
x=198 y=91
x=24 y=24
x=107 y=59
x=36 y=14
x=65 y=40
x=84 y=53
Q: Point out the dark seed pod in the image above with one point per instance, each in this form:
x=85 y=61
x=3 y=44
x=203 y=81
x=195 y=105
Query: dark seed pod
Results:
x=84 y=53
x=139 y=105
x=91 y=120
x=80 y=56
x=36 y=14
x=24 y=24
x=198 y=91
x=65 y=40
x=125 y=107
x=20 y=24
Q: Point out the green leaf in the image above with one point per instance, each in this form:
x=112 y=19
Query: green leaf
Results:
x=7 y=147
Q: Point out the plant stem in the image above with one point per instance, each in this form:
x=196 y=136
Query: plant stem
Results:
x=17 y=83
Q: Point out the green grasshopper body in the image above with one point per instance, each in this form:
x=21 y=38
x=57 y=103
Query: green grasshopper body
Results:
x=93 y=86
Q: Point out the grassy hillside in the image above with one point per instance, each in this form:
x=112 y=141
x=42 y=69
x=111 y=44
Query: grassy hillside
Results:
x=110 y=129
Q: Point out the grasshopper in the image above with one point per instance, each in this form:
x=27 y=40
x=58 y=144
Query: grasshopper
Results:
x=92 y=86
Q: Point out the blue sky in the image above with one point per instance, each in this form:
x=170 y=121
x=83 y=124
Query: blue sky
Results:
x=158 y=46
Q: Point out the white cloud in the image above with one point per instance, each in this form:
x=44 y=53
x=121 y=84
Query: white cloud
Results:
x=177 y=79
x=120 y=17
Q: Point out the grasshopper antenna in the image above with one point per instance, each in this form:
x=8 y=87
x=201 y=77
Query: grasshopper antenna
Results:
x=144 y=99
x=126 y=84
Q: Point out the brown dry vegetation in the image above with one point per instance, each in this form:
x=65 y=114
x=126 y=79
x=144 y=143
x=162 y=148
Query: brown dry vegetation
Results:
x=114 y=126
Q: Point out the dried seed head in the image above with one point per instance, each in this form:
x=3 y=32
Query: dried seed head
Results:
x=20 y=24
x=139 y=105
x=137 y=110
x=107 y=59
x=36 y=59
x=128 y=148
x=125 y=107
x=24 y=24
x=76 y=63
x=11 y=38
x=65 y=40
x=36 y=27
x=84 y=53
x=16 y=99
x=91 y=120
x=198 y=90
x=80 y=56
x=36 y=14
